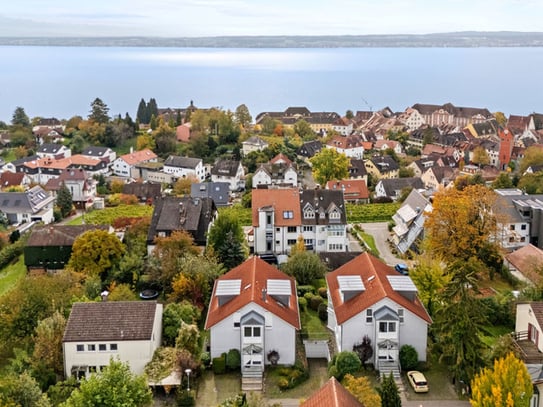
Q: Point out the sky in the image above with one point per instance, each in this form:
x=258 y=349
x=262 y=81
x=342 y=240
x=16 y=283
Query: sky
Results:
x=197 y=18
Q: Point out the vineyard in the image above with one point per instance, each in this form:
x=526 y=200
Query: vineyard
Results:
x=107 y=216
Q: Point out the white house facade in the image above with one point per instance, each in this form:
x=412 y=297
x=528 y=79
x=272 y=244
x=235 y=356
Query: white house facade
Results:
x=183 y=167
x=230 y=171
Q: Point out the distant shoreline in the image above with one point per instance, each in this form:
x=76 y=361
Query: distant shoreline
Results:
x=469 y=39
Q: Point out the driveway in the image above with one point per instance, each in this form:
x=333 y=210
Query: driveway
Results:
x=380 y=233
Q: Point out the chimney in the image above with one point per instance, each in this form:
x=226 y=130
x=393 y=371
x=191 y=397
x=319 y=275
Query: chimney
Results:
x=264 y=294
x=131 y=150
x=104 y=295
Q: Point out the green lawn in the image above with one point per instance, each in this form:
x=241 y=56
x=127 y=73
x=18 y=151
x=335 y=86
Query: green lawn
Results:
x=214 y=389
x=75 y=221
x=11 y=274
x=312 y=325
x=317 y=377
x=440 y=386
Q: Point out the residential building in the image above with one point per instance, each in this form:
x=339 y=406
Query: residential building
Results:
x=230 y=171
x=357 y=170
x=436 y=115
x=437 y=177
x=193 y=215
x=281 y=174
x=183 y=132
x=53 y=151
x=97 y=332
x=309 y=148
x=393 y=188
x=320 y=122
x=343 y=126
x=184 y=167
x=145 y=191
x=10 y=179
x=123 y=165
x=366 y=297
x=34 y=205
x=412 y=119
x=50 y=247
x=526 y=263
x=409 y=220
x=254 y=309
x=81 y=186
x=351 y=145
x=354 y=190
x=218 y=191
x=331 y=394
x=382 y=167
x=101 y=153
x=383 y=145
x=253 y=143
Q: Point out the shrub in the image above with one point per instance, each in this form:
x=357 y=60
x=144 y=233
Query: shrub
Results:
x=409 y=358
x=302 y=302
x=11 y=252
x=219 y=364
x=185 y=398
x=273 y=357
x=233 y=359
x=308 y=297
x=323 y=312
x=323 y=292
x=315 y=302
x=205 y=358
x=303 y=289
x=346 y=362
x=283 y=383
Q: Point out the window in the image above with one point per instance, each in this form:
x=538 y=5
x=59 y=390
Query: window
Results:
x=523 y=239
x=291 y=242
x=369 y=316
x=335 y=247
x=288 y=215
x=511 y=227
x=113 y=346
x=309 y=213
x=236 y=324
x=523 y=227
x=268 y=219
x=385 y=327
x=511 y=239
x=251 y=331
x=308 y=228
x=102 y=347
x=335 y=215
x=291 y=229
x=91 y=348
x=92 y=369
x=80 y=348
x=400 y=315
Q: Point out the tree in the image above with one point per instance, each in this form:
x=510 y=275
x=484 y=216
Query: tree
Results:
x=461 y=222
x=48 y=343
x=64 y=200
x=99 y=112
x=188 y=338
x=362 y=389
x=390 y=397
x=305 y=267
x=165 y=140
x=343 y=363
x=141 y=114
x=116 y=386
x=532 y=156
x=21 y=391
x=502 y=181
x=531 y=183
x=480 y=156
x=349 y=114
x=409 y=357
x=303 y=129
x=145 y=141
x=507 y=384
x=364 y=350
x=95 y=253
x=183 y=185
x=500 y=118
x=227 y=240
x=242 y=116
x=328 y=164
x=430 y=277
x=174 y=314
x=20 y=118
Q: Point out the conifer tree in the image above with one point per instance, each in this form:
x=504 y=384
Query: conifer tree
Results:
x=141 y=115
x=64 y=200
x=390 y=397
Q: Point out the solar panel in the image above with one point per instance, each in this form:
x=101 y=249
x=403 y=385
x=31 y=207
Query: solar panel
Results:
x=350 y=283
x=279 y=287
x=228 y=287
x=401 y=283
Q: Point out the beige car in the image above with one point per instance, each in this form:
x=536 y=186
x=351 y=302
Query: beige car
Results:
x=417 y=381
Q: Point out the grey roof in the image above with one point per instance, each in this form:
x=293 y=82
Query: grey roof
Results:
x=59 y=235
x=384 y=163
x=23 y=160
x=192 y=215
x=182 y=162
x=30 y=201
x=391 y=186
x=218 y=191
x=49 y=148
x=512 y=205
x=227 y=168
x=323 y=200
x=95 y=151
x=111 y=321
x=357 y=168
x=309 y=148
x=143 y=190
x=416 y=200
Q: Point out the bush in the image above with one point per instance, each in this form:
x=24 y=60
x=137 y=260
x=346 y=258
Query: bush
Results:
x=185 y=398
x=11 y=252
x=273 y=357
x=219 y=364
x=302 y=302
x=283 y=383
x=323 y=292
x=205 y=358
x=409 y=357
x=233 y=359
x=346 y=363
x=303 y=289
x=315 y=302
x=323 y=312
x=308 y=297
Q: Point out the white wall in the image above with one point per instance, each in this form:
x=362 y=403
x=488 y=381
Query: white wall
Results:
x=526 y=316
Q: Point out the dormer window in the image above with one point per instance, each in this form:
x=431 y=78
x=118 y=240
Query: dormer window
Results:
x=288 y=215
x=309 y=213
x=335 y=214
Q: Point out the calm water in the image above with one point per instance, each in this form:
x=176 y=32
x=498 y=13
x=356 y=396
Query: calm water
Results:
x=62 y=81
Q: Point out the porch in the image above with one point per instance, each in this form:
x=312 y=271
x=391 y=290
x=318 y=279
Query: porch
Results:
x=527 y=349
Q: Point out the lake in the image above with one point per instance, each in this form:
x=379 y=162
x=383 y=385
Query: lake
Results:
x=62 y=81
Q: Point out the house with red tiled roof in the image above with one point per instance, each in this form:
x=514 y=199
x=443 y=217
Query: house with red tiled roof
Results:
x=332 y=394
x=368 y=297
x=351 y=145
x=354 y=190
x=384 y=145
x=254 y=309
x=123 y=165
x=10 y=179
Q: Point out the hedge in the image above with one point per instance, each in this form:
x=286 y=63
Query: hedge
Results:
x=219 y=364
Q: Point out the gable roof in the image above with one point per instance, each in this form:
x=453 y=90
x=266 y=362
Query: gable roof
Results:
x=392 y=185
x=182 y=162
x=95 y=151
x=280 y=200
x=527 y=260
x=138 y=156
x=323 y=200
x=352 y=188
x=30 y=201
x=59 y=235
x=332 y=394
x=281 y=158
x=218 y=191
x=254 y=275
x=50 y=148
x=143 y=190
x=384 y=163
x=309 y=148
x=111 y=321
x=225 y=168
x=374 y=274
x=8 y=178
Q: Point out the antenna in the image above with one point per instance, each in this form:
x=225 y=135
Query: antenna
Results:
x=367 y=104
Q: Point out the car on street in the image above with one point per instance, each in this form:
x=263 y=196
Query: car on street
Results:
x=402 y=269
x=417 y=381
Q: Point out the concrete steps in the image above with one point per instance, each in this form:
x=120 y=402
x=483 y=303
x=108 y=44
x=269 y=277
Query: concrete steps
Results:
x=251 y=383
x=385 y=368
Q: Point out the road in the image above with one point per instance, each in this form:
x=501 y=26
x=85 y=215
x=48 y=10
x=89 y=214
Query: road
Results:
x=380 y=233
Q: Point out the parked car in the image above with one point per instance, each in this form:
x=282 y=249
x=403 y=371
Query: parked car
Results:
x=402 y=269
x=417 y=381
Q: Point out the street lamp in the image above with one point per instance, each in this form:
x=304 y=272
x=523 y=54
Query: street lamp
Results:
x=188 y=372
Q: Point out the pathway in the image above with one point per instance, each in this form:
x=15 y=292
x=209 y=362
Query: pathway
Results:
x=380 y=233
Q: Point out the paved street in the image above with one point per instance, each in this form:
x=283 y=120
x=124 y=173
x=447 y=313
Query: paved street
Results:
x=380 y=233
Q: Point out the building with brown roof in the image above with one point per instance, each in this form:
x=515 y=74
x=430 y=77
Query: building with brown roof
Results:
x=129 y=331
x=332 y=394
x=368 y=297
x=354 y=190
x=10 y=179
x=254 y=309
x=436 y=115
x=124 y=164
x=528 y=261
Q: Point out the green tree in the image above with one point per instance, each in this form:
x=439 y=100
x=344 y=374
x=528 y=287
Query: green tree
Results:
x=48 y=343
x=165 y=140
x=21 y=391
x=99 y=112
x=303 y=129
x=362 y=389
x=430 y=277
x=174 y=314
x=328 y=165
x=242 y=116
x=532 y=156
x=227 y=240
x=305 y=267
x=345 y=362
x=500 y=118
x=409 y=357
x=116 y=386
x=502 y=181
x=480 y=156
x=390 y=397
x=141 y=114
x=531 y=183
x=96 y=252
x=20 y=118
x=188 y=338
x=64 y=200
x=507 y=384
x=349 y=114
x=152 y=108
x=153 y=122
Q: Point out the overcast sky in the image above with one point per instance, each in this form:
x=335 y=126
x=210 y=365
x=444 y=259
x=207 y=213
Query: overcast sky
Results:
x=189 y=18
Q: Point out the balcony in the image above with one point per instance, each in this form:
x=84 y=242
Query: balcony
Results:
x=526 y=348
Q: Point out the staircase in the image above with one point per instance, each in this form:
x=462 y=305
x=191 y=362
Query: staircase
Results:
x=252 y=380
x=385 y=368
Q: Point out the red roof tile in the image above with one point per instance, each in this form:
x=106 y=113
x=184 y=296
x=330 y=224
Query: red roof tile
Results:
x=254 y=274
x=332 y=394
x=281 y=200
x=377 y=287
x=352 y=188
x=138 y=157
